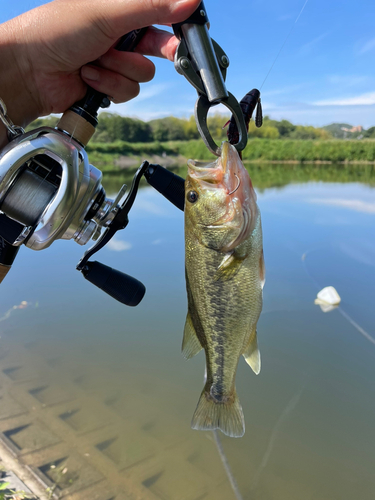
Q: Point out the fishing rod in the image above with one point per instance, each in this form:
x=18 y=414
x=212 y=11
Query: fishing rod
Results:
x=50 y=191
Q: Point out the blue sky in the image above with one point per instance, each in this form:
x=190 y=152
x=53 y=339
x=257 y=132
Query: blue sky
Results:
x=325 y=72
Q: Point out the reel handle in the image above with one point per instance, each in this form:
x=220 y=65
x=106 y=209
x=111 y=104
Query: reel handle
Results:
x=118 y=285
x=170 y=185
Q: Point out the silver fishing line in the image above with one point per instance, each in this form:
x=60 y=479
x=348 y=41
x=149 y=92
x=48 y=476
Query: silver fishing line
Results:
x=282 y=46
x=28 y=198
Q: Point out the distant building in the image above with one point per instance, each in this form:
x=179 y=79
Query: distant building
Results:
x=358 y=128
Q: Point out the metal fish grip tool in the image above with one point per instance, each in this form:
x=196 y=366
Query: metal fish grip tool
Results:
x=204 y=64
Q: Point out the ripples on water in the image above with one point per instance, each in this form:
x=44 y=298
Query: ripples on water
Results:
x=116 y=384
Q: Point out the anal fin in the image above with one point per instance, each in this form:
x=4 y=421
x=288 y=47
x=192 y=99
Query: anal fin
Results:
x=252 y=353
x=190 y=344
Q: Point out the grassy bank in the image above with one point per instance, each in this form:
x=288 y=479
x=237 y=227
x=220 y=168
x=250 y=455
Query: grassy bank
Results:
x=107 y=155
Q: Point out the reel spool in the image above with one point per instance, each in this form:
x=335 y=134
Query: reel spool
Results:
x=49 y=189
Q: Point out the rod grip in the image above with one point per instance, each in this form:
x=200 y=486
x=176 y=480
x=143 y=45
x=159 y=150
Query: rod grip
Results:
x=8 y=253
x=120 y=286
x=170 y=185
x=95 y=99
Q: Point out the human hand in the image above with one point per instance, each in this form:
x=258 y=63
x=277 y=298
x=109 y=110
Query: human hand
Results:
x=46 y=54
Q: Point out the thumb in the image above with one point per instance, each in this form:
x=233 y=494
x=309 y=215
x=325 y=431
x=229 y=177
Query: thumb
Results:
x=76 y=32
x=115 y=18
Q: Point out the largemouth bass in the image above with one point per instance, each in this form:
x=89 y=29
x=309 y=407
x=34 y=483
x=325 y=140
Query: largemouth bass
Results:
x=224 y=280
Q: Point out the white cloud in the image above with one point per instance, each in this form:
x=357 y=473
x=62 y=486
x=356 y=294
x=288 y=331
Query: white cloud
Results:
x=144 y=111
x=283 y=90
x=347 y=80
x=151 y=90
x=369 y=45
x=286 y=17
x=301 y=113
x=361 y=251
x=359 y=100
x=308 y=47
x=149 y=206
x=356 y=205
x=149 y=104
x=118 y=245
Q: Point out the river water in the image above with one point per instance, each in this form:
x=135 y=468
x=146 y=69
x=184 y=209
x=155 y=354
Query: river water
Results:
x=309 y=414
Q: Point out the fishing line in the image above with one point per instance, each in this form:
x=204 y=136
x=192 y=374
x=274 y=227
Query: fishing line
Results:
x=282 y=46
x=289 y=408
x=223 y=457
x=226 y=466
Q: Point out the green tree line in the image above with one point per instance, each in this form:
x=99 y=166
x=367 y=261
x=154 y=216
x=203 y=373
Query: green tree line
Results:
x=113 y=128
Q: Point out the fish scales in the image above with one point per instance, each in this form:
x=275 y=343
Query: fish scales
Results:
x=224 y=278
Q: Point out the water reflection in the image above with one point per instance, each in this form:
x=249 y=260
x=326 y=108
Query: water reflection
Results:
x=267 y=175
x=107 y=394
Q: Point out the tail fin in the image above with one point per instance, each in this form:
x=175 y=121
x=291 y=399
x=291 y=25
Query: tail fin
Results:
x=228 y=417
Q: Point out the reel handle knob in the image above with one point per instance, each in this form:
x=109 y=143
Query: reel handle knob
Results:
x=120 y=286
x=170 y=185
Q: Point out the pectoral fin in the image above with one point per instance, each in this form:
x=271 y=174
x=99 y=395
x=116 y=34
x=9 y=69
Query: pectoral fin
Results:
x=229 y=267
x=190 y=344
x=252 y=354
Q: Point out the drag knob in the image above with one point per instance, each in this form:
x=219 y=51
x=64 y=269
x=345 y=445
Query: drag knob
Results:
x=120 y=286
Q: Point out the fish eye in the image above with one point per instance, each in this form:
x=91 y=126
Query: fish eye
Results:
x=192 y=196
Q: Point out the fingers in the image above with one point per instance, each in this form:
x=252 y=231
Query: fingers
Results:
x=128 y=64
x=158 y=43
x=118 y=87
x=118 y=74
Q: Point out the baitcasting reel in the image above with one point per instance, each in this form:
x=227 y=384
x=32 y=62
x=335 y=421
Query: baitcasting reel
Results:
x=49 y=190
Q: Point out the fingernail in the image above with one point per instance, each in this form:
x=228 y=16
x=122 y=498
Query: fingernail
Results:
x=90 y=73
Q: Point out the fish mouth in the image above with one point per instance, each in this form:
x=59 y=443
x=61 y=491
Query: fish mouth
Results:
x=201 y=166
x=204 y=166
